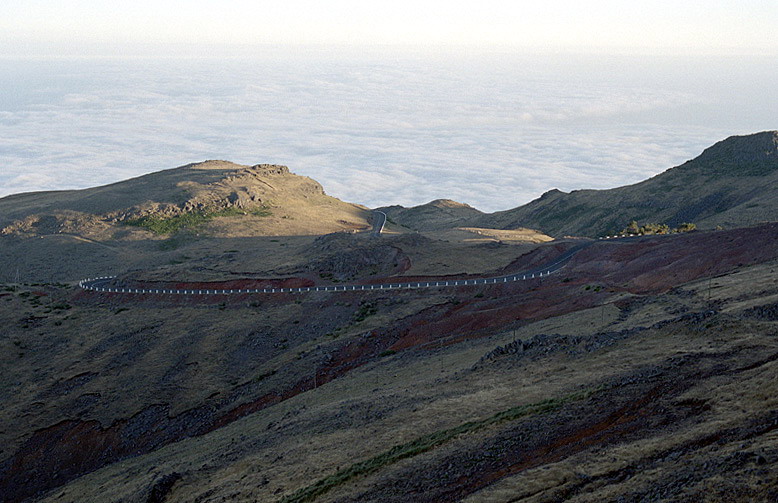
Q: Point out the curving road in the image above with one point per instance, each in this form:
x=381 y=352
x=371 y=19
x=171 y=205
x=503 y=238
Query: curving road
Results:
x=379 y=222
x=105 y=284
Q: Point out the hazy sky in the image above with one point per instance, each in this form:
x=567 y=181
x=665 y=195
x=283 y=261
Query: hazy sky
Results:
x=101 y=27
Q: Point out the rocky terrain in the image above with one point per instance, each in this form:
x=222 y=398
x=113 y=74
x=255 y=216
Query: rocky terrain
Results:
x=643 y=370
x=174 y=215
x=219 y=198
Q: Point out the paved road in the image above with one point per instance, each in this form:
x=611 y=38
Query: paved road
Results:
x=106 y=284
x=379 y=221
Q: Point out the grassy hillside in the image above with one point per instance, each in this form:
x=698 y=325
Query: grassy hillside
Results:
x=645 y=369
x=733 y=183
x=173 y=216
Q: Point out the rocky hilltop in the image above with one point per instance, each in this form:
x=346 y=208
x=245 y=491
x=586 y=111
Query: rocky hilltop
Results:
x=177 y=215
x=216 y=197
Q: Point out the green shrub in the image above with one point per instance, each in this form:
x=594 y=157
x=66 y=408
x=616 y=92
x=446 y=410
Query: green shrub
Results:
x=366 y=309
x=686 y=227
x=426 y=443
x=191 y=220
x=651 y=228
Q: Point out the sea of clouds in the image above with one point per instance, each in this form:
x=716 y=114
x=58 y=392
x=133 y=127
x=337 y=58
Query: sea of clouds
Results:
x=491 y=130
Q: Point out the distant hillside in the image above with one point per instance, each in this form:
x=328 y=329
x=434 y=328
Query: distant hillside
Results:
x=221 y=198
x=734 y=183
x=435 y=215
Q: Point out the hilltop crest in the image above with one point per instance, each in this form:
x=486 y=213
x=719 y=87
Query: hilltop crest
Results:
x=224 y=199
x=747 y=148
x=750 y=155
x=448 y=203
x=731 y=184
x=435 y=215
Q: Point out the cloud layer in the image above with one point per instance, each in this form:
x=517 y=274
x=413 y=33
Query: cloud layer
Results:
x=494 y=131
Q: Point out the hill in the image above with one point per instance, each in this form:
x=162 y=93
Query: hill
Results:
x=218 y=198
x=435 y=215
x=195 y=220
x=732 y=184
x=208 y=209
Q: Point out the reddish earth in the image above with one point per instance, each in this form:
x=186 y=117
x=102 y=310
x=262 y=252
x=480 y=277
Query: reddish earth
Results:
x=237 y=284
x=632 y=407
x=647 y=265
x=656 y=264
x=506 y=304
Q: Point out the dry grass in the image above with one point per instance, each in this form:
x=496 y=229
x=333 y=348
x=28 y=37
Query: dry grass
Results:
x=509 y=236
x=405 y=397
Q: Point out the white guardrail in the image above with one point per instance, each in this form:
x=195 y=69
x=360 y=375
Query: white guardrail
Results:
x=620 y=236
x=99 y=285
x=102 y=284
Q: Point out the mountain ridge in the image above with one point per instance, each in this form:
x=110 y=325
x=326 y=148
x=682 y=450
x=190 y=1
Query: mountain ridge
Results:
x=730 y=184
x=718 y=187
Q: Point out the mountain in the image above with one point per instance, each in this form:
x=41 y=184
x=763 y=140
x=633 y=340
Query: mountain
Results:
x=189 y=221
x=732 y=184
